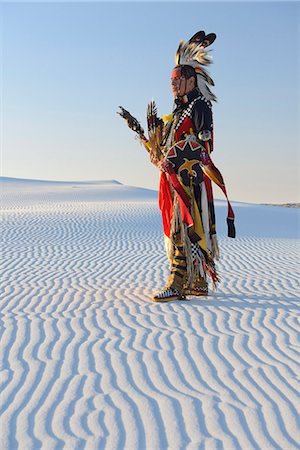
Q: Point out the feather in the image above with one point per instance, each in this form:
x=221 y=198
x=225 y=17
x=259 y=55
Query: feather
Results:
x=198 y=37
x=204 y=89
x=209 y=39
x=205 y=75
x=155 y=130
x=132 y=122
x=178 y=53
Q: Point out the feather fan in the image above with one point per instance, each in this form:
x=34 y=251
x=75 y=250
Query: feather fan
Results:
x=132 y=122
x=155 y=130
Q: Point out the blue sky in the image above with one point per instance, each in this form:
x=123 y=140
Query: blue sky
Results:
x=67 y=67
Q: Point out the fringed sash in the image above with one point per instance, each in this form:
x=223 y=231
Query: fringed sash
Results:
x=166 y=202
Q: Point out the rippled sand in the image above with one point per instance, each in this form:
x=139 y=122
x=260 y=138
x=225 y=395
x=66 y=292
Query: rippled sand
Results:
x=89 y=362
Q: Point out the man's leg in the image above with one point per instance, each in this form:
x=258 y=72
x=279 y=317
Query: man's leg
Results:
x=178 y=275
x=198 y=288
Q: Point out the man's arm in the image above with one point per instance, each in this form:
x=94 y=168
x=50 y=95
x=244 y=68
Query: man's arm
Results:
x=203 y=122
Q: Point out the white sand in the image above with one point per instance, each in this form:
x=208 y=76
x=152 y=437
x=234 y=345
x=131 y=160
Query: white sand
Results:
x=89 y=362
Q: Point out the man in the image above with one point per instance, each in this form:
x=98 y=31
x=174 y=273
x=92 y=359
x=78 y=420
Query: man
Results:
x=180 y=147
x=192 y=119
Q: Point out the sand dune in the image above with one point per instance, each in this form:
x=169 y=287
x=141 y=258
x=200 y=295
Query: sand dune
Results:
x=89 y=362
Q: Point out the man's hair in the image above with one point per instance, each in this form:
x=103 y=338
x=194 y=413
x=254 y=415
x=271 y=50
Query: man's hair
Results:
x=187 y=72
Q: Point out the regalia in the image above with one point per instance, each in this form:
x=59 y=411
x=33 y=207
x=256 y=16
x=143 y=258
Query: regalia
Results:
x=182 y=143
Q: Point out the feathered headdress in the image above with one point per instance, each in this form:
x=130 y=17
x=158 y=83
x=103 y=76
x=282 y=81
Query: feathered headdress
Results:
x=193 y=53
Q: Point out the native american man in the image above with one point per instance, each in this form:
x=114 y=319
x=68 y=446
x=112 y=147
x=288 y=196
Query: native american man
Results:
x=192 y=119
x=180 y=145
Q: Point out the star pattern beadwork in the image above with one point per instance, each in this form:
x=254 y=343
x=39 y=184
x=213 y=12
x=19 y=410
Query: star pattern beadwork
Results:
x=185 y=157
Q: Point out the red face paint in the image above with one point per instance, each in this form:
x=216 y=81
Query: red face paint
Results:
x=176 y=74
x=178 y=82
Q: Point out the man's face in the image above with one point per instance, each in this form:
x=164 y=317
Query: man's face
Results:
x=181 y=85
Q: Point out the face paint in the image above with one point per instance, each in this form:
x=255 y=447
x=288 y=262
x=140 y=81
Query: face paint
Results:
x=176 y=73
x=178 y=83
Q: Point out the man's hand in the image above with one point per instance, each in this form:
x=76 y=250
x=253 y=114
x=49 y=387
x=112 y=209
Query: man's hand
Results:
x=157 y=163
x=161 y=166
